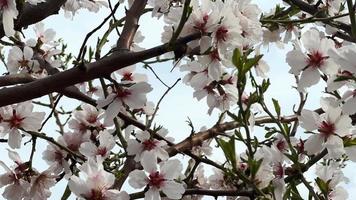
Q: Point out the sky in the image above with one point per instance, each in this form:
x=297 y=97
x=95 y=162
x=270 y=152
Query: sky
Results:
x=178 y=104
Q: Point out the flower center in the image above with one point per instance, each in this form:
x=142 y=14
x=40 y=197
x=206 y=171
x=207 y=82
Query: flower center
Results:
x=148 y=145
x=221 y=34
x=316 y=59
x=214 y=55
x=92 y=119
x=123 y=93
x=200 y=25
x=281 y=145
x=102 y=151
x=326 y=128
x=127 y=77
x=278 y=171
x=3 y=3
x=95 y=195
x=156 y=180
x=16 y=120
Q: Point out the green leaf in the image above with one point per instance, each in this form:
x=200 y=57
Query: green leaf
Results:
x=66 y=193
x=251 y=62
x=323 y=186
x=228 y=148
x=277 y=108
x=237 y=59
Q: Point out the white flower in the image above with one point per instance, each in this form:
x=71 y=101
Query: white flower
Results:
x=95 y=183
x=56 y=157
x=331 y=126
x=41 y=184
x=333 y=176
x=20 y=61
x=106 y=144
x=313 y=62
x=145 y=143
x=162 y=180
x=128 y=76
x=20 y=116
x=45 y=36
x=9 y=13
x=86 y=118
x=134 y=97
x=16 y=187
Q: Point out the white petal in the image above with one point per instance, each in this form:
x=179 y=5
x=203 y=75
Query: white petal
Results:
x=171 y=169
x=313 y=145
x=173 y=190
x=138 y=179
x=15 y=139
x=149 y=162
x=310 y=76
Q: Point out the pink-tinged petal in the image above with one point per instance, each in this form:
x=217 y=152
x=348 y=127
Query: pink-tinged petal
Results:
x=309 y=120
x=78 y=186
x=351 y=153
x=134 y=148
x=104 y=102
x=310 y=76
x=171 y=169
x=297 y=60
x=332 y=114
x=8 y=16
x=335 y=146
x=15 y=139
x=116 y=195
x=200 y=80
x=349 y=107
x=329 y=67
x=343 y=125
x=112 y=110
x=205 y=43
x=149 y=161
x=311 y=40
x=143 y=135
x=138 y=179
x=214 y=70
x=27 y=53
x=88 y=149
x=136 y=101
x=140 y=88
x=15 y=54
x=152 y=194
x=161 y=153
x=314 y=144
x=173 y=190
x=13 y=155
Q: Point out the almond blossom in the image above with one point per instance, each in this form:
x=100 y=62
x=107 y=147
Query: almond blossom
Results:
x=162 y=180
x=315 y=61
x=331 y=126
x=106 y=144
x=17 y=117
x=95 y=183
x=134 y=97
x=21 y=61
x=333 y=176
x=16 y=187
x=145 y=143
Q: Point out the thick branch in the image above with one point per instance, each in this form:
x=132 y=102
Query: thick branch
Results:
x=101 y=68
x=32 y=14
x=131 y=24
